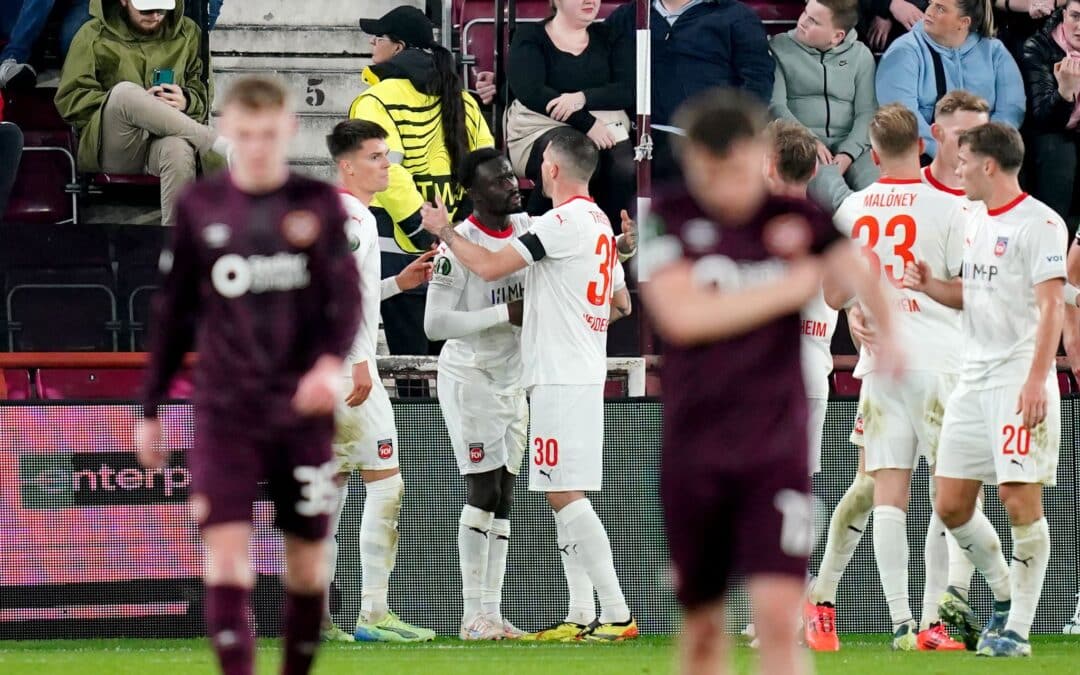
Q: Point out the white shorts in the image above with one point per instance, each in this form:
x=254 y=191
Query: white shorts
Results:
x=488 y=430
x=366 y=437
x=983 y=438
x=856 y=437
x=566 y=440
x=815 y=427
x=902 y=419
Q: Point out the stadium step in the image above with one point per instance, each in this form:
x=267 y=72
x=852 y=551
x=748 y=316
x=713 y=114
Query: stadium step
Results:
x=314 y=90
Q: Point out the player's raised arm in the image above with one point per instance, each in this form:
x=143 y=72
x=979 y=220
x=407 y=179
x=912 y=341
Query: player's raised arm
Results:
x=486 y=264
x=441 y=320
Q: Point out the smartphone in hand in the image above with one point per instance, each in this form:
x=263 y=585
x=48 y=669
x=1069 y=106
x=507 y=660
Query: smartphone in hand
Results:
x=162 y=76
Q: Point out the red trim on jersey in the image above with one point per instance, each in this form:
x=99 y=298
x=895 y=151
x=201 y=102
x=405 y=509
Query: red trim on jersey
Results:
x=588 y=199
x=934 y=182
x=1002 y=209
x=503 y=234
x=885 y=180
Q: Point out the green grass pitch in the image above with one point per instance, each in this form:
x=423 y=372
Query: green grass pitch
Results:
x=652 y=655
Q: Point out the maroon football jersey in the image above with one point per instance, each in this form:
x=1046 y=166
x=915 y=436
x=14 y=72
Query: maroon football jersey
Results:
x=717 y=393
x=261 y=286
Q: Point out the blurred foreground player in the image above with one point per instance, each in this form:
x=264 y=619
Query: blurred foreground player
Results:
x=367 y=438
x=259 y=280
x=728 y=269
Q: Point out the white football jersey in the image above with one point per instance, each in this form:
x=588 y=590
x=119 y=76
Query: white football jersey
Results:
x=363 y=235
x=1013 y=248
x=818 y=323
x=902 y=221
x=568 y=303
x=492 y=355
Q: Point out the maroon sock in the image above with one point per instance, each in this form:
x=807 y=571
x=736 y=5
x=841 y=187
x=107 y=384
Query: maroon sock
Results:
x=229 y=630
x=303 y=619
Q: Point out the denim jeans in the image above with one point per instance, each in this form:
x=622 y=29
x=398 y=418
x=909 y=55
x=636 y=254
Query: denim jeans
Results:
x=22 y=21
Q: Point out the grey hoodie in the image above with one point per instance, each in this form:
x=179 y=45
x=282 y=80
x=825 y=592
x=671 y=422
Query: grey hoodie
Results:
x=831 y=93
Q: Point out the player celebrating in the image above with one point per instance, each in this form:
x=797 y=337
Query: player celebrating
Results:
x=479 y=387
x=899 y=219
x=259 y=279
x=573 y=273
x=956 y=112
x=1003 y=419
x=726 y=282
x=366 y=438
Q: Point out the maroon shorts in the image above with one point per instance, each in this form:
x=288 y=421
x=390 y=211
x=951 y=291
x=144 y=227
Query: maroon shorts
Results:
x=744 y=520
x=228 y=467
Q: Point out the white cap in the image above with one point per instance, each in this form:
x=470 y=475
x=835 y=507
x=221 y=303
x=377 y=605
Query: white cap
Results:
x=147 y=5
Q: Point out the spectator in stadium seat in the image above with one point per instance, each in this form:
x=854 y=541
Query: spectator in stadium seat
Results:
x=958 y=34
x=1051 y=66
x=882 y=21
x=825 y=81
x=571 y=70
x=125 y=124
x=416 y=94
x=698 y=45
x=21 y=24
x=11 y=145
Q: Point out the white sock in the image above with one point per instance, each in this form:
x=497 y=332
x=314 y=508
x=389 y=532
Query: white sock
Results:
x=332 y=545
x=1031 y=553
x=979 y=541
x=583 y=527
x=936 y=558
x=474 y=538
x=378 y=545
x=582 y=609
x=845 y=531
x=960 y=568
x=891 y=554
x=498 y=547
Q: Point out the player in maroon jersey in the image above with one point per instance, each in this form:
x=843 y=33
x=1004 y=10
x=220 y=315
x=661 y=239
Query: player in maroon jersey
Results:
x=260 y=281
x=728 y=269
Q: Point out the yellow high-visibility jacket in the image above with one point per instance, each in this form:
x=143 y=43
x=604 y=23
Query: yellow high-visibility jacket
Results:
x=420 y=166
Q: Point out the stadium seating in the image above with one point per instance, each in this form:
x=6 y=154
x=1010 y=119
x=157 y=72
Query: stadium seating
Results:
x=137 y=249
x=16 y=384
x=44 y=190
x=88 y=384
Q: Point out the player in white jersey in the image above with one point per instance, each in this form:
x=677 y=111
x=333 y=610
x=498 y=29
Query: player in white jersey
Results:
x=897 y=220
x=479 y=384
x=366 y=439
x=1003 y=420
x=575 y=288
x=956 y=112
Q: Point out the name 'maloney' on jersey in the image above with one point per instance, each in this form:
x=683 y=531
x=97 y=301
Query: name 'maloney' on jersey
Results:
x=261 y=286
x=568 y=298
x=493 y=354
x=1012 y=249
x=901 y=221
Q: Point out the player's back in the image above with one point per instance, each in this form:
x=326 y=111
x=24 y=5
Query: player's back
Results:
x=1012 y=249
x=568 y=296
x=255 y=268
x=494 y=353
x=901 y=221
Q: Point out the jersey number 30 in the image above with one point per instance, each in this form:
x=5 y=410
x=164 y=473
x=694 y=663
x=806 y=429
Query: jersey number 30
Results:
x=599 y=292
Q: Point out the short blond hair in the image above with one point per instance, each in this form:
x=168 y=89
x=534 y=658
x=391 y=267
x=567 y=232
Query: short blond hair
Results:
x=959 y=100
x=257 y=92
x=795 y=150
x=894 y=130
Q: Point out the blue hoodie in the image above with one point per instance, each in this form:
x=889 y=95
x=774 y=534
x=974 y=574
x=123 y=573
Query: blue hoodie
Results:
x=982 y=66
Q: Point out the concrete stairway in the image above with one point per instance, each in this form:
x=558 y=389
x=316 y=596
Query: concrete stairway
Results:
x=316 y=46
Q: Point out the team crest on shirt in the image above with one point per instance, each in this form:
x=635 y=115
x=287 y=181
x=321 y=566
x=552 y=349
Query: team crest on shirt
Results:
x=700 y=235
x=787 y=236
x=216 y=235
x=300 y=228
x=1001 y=246
x=386 y=448
x=476 y=452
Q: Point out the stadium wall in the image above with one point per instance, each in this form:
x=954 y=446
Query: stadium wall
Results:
x=91 y=545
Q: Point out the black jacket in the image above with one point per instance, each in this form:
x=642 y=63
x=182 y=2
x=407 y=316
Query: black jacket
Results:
x=1047 y=111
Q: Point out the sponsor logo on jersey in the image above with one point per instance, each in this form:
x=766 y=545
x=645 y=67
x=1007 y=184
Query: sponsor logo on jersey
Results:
x=300 y=228
x=476 y=452
x=722 y=272
x=216 y=235
x=979 y=272
x=1054 y=258
x=700 y=235
x=507 y=294
x=443 y=266
x=1001 y=246
x=787 y=236
x=386 y=448
x=234 y=275
x=814 y=328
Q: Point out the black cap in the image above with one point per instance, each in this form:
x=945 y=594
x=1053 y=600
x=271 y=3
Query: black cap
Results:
x=407 y=24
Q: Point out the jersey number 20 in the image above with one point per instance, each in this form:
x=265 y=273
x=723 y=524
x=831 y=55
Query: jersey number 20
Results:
x=599 y=292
